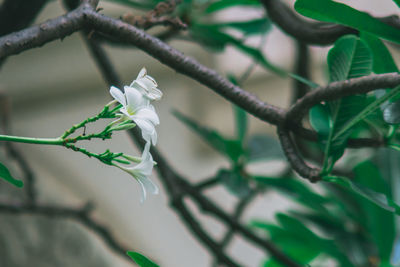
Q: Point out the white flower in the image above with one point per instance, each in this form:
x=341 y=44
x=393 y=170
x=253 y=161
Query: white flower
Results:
x=142 y=172
x=138 y=108
x=147 y=85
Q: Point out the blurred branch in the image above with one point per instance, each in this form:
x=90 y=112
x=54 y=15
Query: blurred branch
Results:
x=177 y=187
x=15 y=154
x=157 y=16
x=301 y=68
x=239 y=210
x=18 y=14
x=81 y=215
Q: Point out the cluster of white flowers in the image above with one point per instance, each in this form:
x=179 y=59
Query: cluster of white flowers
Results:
x=136 y=106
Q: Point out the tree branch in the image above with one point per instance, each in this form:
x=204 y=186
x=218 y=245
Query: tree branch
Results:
x=336 y=90
x=81 y=215
x=177 y=187
x=306 y=32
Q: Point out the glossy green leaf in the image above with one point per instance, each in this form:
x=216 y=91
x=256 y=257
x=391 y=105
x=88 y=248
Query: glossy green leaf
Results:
x=320 y=119
x=6 y=175
x=234 y=182
x=397 y=2
x=331 y=11
x=141 y=260
x=229 y=148
x=380 y=223
x=222 y=4
x=378 y=198
x=383 y=63
x=263 y=147
x=349 y=58
x=392 y=94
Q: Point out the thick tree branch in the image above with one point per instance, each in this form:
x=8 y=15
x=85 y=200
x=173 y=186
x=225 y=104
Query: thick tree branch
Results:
x=336 y=90
x=86 y=17
x=295 y=159
x=307 y=32
x=314 y=33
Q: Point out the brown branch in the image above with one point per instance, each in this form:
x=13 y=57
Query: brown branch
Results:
x=336 y=90
x=81 y=215
x=315 y=33
x=295 y=159
x=85 y=16
x=306 y=32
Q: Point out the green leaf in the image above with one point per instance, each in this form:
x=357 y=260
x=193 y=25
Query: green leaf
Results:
x=377 y=198
x=222 y=4
x=392 y=94
x=251 y=27
x=240 y=115
x=214 y=38
x=263 y=147
x=290 y=242
x=234 y=182
x=383 y=63
x=331 y=11
x=229 y=148
x=141 y=260
x=241 y=122
x=296 y=190
x=320 y=120
x=6 y=175
x=397 y=2
x=349 y=58
x=380 y=223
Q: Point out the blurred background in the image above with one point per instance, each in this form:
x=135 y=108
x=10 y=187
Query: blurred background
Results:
x=52 y=87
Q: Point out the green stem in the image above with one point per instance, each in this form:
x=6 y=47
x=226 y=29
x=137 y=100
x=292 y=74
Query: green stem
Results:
x=32 y=140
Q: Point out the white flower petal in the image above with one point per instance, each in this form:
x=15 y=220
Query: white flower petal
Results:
x=142 y=73
x=148 y=114
x=134 y=99
x=149 y=133
x=143 y=189
x=155 y=94
x=118 y=95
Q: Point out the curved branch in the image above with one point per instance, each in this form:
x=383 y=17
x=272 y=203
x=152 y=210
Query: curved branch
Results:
x=296 y=161
x=341 y=89
x=43 y=33
x=307 y=32
x=86 y=17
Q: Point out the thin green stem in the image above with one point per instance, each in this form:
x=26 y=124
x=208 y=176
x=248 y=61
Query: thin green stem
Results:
x=32 y=140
